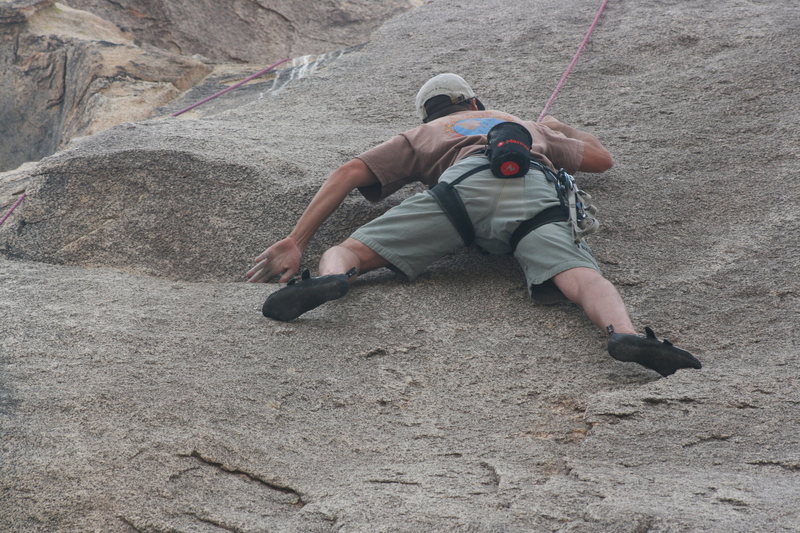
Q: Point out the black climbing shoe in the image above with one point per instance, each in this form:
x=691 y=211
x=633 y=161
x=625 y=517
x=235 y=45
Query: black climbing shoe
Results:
x=304 y=294
x=648 y=351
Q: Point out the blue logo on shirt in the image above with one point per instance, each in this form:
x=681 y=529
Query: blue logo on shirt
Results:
x=475 y=126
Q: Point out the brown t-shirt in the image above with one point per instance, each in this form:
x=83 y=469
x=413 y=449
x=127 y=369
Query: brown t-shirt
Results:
x=425 y=152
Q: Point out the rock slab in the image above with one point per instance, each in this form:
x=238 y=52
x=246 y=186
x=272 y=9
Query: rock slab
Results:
x=147 y=393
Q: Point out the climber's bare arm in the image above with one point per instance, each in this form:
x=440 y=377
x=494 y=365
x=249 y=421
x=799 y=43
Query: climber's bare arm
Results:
x=595 y=157
x=282 y=259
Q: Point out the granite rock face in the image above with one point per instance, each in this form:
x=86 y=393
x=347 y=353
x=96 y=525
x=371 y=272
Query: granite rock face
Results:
x=141 y=389
x=251 y=31
x=67 y=73
x=72 y=70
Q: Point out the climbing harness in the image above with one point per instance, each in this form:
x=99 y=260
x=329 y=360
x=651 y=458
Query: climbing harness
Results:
x=577 y=202
x=574 y=206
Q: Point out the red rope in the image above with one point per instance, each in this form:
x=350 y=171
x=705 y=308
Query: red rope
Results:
x=232 y=87
x=11 y=209
x=573 y=62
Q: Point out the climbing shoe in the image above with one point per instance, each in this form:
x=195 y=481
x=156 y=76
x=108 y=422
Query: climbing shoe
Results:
x=304 y=294
x=661 y=356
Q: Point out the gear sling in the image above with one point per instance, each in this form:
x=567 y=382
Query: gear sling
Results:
x=509 y=157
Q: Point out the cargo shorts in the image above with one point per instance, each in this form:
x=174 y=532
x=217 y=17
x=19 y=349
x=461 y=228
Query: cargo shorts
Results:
x=415 y=233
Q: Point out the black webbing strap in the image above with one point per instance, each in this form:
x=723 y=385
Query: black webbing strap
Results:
x=469 y=173
x=450 y=201
x=557 y=213
x=452 y=205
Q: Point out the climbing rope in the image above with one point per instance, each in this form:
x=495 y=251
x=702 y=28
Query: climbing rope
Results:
x=11 y=209
x=232 y=87
x=572 y=63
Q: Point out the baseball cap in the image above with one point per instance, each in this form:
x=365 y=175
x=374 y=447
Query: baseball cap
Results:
x=448 y=84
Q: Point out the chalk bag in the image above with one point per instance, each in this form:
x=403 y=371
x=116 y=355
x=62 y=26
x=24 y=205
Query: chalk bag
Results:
x=509 y=150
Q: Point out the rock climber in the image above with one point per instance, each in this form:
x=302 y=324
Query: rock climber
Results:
x=529 y=215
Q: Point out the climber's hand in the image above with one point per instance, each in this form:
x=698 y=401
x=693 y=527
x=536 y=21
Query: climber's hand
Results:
x=281 y=260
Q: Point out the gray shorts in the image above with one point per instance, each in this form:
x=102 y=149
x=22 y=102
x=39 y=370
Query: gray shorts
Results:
x=417 y=232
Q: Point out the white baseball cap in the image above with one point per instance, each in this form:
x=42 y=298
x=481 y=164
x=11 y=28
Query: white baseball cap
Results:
x=447 y=84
